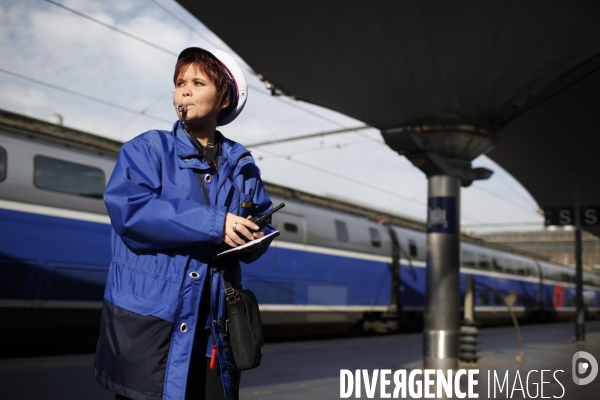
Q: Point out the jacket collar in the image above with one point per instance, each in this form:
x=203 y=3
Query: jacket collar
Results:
x=183 y=144
x=230 y=150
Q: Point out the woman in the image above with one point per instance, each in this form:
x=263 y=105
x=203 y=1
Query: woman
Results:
x=175 y=199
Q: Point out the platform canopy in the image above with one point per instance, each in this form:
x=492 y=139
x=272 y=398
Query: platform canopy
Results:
x=529 y=69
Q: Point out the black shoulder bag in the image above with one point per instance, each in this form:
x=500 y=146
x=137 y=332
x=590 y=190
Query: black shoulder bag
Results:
x=244 y=326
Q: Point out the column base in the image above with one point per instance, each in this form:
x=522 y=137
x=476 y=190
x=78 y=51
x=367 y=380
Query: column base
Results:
x=440 y=349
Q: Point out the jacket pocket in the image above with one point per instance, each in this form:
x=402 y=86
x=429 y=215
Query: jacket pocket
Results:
x=142 y=292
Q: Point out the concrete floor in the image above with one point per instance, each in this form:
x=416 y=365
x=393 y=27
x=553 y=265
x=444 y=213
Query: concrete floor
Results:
x=311 y=369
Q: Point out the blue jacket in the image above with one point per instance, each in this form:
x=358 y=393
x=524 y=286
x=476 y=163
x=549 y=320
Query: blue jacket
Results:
x=163 y=239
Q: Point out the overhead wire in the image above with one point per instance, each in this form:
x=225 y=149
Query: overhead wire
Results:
x=114 y=28
x=85 y=96
x=261 y=91
x=328 y=147
x=183 y=22
x=329 y=120
x=307 y=136
x=312 y=113
x=519 y=205
x=495 y=224
x=258 y=90
x=157 y=47
x=344 y=177
x=158 y=100
x=520 y=195
x=167 y=51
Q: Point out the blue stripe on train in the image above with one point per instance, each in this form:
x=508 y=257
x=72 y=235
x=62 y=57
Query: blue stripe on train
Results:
x=286 y=276
x=52 y=258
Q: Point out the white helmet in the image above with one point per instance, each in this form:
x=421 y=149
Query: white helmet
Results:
x=236 y=77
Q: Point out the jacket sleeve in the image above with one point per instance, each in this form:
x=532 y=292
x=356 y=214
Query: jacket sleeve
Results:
x=143 y=218
x=263 y=204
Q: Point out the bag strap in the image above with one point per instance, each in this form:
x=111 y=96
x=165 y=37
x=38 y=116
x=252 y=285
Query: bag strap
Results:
x=228 y=287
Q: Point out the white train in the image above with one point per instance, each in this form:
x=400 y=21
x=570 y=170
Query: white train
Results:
x=333 y=267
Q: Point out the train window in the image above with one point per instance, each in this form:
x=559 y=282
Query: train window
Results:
x=503 y=265
x=412 y=248
x=2 y=164
x=67 y=177
x=497 y=264
x=341 y=230
x=508 y=265
x=566 y=277
x=551 y=275
x=467 y=259
x=484 y=298
x=521 y=268
x=533 y=270
x=498 y=301
x=375 y=238
x=484 y=261
x=289 y=227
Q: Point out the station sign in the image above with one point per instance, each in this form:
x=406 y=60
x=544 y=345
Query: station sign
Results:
x=441 y=215
x=589 y=216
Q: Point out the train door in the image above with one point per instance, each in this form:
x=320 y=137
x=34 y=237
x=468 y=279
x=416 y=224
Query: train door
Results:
x=290 y=255
x=275 y=277
x=539 y=287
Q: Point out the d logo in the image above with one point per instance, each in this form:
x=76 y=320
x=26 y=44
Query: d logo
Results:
x=583 y=367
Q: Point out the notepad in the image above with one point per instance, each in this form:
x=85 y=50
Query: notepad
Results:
x=249 y=244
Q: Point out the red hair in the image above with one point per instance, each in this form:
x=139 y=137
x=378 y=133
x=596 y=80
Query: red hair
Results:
x=214 y=71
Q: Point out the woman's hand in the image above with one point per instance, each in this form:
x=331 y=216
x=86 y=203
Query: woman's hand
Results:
x=242 y=227
x=257 y=234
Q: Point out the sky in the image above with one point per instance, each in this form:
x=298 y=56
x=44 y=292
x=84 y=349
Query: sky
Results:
x=59 y=60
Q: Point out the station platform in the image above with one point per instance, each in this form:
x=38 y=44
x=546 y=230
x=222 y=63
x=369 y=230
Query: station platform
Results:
x=311 y=369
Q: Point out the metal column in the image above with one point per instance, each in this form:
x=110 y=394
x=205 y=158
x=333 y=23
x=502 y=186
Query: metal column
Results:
x=443 y=149
x=442 y=304
x=580 y=316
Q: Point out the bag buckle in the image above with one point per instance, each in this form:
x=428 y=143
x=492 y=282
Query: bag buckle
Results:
x=230 y=295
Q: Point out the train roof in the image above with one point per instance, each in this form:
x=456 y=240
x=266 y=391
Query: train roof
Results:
x=378 y=215
x=75 y=138
x=69 y=137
